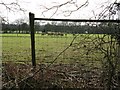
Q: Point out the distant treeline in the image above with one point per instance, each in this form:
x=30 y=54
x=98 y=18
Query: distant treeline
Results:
x=14 y=28
x=102 y=28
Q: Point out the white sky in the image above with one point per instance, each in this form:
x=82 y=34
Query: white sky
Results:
x=34 y=6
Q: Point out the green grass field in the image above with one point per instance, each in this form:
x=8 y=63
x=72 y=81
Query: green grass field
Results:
x=17 y=48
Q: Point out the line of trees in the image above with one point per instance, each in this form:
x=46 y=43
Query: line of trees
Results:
x=14 y=28
x=102 y=28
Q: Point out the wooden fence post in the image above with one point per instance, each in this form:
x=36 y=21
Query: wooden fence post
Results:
x=32 y=33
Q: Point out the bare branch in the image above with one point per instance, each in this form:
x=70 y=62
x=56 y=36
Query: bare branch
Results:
x=68 y=12
x=71 y=11
x=106 y=9
x=13 y=6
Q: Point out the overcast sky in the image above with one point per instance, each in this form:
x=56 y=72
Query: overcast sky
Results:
x=36 y=6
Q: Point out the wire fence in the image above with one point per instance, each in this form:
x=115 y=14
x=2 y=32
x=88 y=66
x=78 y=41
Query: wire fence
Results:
x=68 y=55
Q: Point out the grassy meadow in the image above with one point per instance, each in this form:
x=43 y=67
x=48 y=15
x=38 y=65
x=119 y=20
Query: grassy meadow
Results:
x=17 y=48
x=83 y=64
